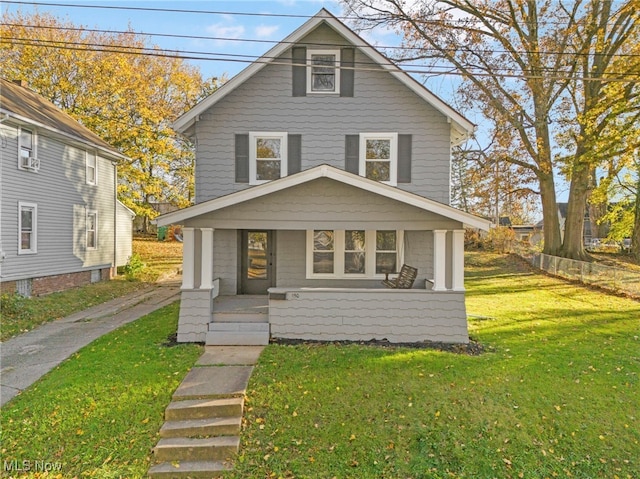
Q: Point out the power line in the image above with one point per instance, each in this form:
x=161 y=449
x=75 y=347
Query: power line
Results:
x=249 y=40
x=424 y=70
x=217 y=12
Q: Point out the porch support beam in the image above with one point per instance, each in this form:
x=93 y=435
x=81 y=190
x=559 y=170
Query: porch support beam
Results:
x=457 y=261
x=206 y=273
x=439 y=260
x=188 y=258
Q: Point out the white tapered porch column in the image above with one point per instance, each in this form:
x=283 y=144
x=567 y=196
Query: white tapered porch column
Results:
x=439 y=260
x=457 y=261
x=188 y=258
x=206 y=273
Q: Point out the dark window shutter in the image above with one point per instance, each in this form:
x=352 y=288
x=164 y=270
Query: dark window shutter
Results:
x=242 y=158
x=404 y=158
x=346 y=75
x=352 y=154
x=299 y=71
x=294 y=152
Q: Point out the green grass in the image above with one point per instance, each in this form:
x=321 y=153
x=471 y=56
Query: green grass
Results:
x=98 y=413
x=556 y=394
x=19 y=315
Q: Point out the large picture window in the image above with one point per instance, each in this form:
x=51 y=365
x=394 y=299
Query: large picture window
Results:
x=353 y=253
x=267 y=156
x=323 y=71
x=379 y=157
x=27 y=228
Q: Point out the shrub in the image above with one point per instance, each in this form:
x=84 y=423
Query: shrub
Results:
x=134 y=267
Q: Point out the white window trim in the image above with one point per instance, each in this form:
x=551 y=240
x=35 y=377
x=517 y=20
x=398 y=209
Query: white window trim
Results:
x=393 y=168
x=91 y=212
x=34 y=235
x=253 y=167
x=310 y=89
x=339 y=253
x=34 y=149
x=88 y=166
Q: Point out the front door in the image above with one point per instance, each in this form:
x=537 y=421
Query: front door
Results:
x=257 y=272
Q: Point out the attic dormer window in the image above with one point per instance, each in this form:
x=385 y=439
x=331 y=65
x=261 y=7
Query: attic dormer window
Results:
x=324 y=72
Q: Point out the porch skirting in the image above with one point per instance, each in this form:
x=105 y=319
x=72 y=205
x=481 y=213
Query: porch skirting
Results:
x=338 y=314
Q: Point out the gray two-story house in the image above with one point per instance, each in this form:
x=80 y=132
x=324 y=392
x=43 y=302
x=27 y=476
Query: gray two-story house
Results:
x=320 y=169
x=61 y=224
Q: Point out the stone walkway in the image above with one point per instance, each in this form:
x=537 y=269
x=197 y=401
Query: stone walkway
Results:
x=26 y=358
x=201 y=435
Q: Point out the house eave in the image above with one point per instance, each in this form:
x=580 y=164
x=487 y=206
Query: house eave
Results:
x=324 y=171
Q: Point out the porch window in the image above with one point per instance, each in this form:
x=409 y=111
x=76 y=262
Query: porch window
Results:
x=379 y=157
x=323 y=75
x=353 y=253
x=268 y=156
x=323 y=251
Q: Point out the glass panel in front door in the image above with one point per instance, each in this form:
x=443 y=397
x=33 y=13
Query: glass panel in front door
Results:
x=257 y=260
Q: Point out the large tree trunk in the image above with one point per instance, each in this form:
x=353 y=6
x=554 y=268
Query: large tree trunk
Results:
x=551 y=223
x=573 y=243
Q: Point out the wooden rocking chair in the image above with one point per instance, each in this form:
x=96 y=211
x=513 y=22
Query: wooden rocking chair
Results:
x=405 y=279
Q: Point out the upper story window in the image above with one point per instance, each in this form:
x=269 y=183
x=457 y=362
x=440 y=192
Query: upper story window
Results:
x=323 y=71
x=92 y=229
x=379 y=157
x=267 y=156
x=27 y=158
x=27 y=228
x=91 y=168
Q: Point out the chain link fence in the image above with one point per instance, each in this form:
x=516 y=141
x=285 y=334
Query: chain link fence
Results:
x=607 y=277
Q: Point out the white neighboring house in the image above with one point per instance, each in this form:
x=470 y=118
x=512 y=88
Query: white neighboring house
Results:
x=321 y=167
x=61 y=222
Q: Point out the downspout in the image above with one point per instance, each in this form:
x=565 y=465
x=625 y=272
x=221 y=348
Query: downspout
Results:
x=115 y=218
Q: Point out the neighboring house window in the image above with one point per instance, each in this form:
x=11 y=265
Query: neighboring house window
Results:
x=323 y=71
x=27 y=150
x=267 y=156
x=27 y=227
x=91 y=168
x=92 y=229
x=353 y=253
x=379 y=157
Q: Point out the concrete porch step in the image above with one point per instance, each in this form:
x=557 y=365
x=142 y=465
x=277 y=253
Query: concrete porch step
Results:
x=204 y=408
x=189 y=469
x=239 y=317
x=208 y=427
x=237 y=334
x=197 y=449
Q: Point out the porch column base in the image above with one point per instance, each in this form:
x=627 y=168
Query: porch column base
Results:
x=195 y=315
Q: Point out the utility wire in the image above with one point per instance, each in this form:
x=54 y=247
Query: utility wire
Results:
x=426 y=70
x=249 y=40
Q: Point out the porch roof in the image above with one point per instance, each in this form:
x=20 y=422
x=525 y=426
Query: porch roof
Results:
x=324 y=171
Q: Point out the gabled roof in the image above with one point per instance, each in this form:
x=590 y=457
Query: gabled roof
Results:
x=461 y=128
x=324 y=171
x=26 y=106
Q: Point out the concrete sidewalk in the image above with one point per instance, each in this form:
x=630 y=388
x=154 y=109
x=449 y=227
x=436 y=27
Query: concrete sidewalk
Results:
x=26 y=358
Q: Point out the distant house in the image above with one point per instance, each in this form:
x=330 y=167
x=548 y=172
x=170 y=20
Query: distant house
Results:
x=321 y=168
x=61 y=223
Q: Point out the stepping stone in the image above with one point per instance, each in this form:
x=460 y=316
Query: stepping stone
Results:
x=189 y=469
x=204 y=408
x=215 y=426
x=230 y=355
x=197 y=449
x=214 y=381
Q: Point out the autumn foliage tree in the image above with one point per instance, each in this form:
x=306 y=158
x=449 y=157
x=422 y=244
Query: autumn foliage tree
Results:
x=520 y=61
x=125 y=90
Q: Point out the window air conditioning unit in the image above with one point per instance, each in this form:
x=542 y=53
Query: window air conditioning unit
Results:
x=31 y=163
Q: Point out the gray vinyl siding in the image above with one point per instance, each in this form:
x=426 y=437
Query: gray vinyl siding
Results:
x=62 y=196
x=225 y=259
x=124 y=234
x=265 y=102
x=323 y=204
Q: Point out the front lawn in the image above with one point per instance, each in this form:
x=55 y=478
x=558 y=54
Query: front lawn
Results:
x=98 y=414
x=555 y=394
